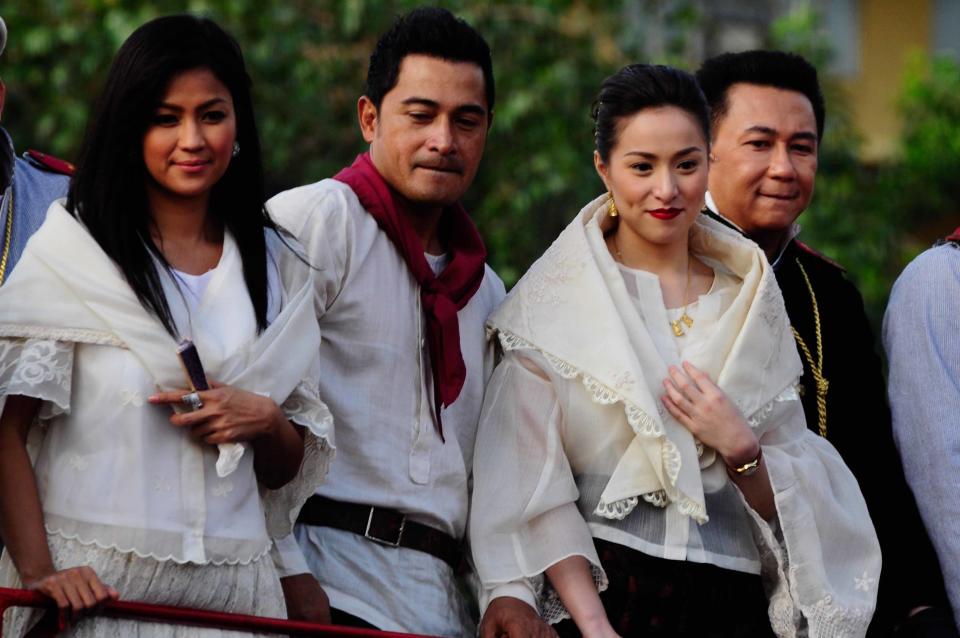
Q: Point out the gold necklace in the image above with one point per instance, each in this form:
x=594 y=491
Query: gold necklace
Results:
x=7 y=236
x=684 y=319
x=816 y=369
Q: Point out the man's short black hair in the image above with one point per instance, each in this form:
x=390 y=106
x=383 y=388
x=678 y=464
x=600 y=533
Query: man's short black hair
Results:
x=428 y=31
x=777 y=69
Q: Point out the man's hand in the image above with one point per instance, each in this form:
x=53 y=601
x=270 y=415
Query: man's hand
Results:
x=305 y=599
x=508 y=617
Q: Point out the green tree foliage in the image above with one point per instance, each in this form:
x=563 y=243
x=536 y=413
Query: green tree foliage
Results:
x=930 y=162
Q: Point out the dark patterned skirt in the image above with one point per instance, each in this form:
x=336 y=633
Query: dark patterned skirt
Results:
x=651 y=596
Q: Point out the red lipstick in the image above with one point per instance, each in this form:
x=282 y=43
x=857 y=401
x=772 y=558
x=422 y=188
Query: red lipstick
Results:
x=665 y=213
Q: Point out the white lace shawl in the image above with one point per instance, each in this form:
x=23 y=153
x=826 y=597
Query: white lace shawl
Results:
x=571 y=312
x=85 y=303
x=576 y=283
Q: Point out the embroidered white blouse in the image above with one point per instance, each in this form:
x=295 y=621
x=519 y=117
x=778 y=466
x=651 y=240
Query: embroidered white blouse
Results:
x=111 y=470
x=573 y=443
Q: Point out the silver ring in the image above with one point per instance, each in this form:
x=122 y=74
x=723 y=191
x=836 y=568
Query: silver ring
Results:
x=192 y=400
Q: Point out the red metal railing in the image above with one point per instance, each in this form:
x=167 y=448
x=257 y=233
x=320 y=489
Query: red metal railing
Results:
x=54 y=622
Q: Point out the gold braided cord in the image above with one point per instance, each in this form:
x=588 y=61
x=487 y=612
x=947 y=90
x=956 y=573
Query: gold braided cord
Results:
x=815 y=368
x=7 y=235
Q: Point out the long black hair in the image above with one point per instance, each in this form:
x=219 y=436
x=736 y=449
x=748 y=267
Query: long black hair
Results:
x=108 y=193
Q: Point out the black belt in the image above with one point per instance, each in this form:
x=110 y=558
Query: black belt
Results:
x=380 y=525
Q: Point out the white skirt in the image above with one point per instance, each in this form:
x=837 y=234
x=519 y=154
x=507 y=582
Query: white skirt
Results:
x=244 y=589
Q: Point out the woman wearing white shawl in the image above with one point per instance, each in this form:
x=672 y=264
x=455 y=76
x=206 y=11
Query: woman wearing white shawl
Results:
x=106 y=491
x=646 y=408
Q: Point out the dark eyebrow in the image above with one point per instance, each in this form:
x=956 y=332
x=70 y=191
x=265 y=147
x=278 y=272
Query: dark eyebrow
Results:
x=474 y=109
x=685 y=151
x=806 y=135
x=766 y=130
x=432 y=104
x=422 y=101
x=205 y=105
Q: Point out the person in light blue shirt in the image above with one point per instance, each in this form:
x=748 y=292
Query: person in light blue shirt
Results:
x=921 y=333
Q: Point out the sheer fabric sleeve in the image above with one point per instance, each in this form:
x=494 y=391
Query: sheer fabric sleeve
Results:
x=524 y=516
x=305 y=408
x=821 y=565
x=39 y=368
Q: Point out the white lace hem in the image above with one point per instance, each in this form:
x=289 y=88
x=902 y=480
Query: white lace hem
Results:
x=77 y=537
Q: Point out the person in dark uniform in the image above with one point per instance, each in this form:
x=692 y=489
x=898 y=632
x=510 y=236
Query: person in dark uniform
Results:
x=768 y=116
x=29 y=184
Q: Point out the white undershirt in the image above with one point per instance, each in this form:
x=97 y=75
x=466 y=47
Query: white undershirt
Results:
x=193 y=286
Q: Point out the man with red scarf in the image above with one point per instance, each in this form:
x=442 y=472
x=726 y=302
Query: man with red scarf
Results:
x=921 y=332
x=402 y=294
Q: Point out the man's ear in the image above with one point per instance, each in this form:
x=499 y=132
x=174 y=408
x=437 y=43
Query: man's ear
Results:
x=367 y=115
x=601 y=168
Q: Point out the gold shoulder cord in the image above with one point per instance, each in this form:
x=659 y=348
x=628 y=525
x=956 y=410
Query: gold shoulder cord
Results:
x=816 y=368
x=7 y=235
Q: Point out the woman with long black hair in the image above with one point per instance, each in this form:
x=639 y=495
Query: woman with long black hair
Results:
x=116 y=477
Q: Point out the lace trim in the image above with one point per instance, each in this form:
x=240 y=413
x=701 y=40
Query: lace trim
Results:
x=552 y=609
x=39 y=368
x=305 y=408
x=823 y=618
x=789 y=393
x=640 y=422
x=75 y=335
x=92 y=542
x=827 y=620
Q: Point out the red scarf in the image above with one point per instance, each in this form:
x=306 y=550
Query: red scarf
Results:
x=955 y=236
x=442 y=297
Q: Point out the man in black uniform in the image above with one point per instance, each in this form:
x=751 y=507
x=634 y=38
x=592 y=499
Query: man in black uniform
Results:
x=768 y=116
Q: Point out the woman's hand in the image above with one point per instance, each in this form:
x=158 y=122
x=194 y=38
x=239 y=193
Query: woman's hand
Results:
x=228 y=415
x=76 y=589
x=703 y=408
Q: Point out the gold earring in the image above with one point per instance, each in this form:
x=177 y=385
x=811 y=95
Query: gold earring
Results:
x=612 y=209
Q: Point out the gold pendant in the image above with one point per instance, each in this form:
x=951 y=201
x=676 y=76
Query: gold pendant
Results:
x=686 y=320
